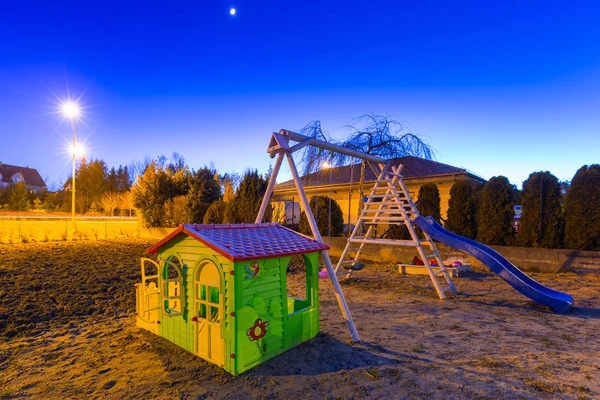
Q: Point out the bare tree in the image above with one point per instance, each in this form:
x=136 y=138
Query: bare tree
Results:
x=110 y=201
x=311 y=158
x=372 y=134
x=137 y=168
x=127 y=202
x=383 y=137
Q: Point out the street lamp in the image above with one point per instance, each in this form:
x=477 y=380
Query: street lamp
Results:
x=71 y=111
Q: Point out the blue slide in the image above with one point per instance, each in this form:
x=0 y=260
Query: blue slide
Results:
x=558 y=301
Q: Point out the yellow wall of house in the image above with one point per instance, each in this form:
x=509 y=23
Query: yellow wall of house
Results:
x=32 y=230
x=340 y=194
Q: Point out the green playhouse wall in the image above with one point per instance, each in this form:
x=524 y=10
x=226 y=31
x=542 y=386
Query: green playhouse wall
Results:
x=290 y=321
x=249 y=297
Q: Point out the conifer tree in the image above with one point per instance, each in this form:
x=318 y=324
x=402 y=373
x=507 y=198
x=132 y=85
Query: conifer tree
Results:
x=429 y=201
x=541 y=223
x=244 y=206
x=582 y=210
x=462 y=209
x=215 y=213
x=151 y=192
x=18 y=196
x=203 y=191
x=495 y=214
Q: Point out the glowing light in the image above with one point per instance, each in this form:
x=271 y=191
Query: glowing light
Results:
x=326 y=165
x=70 y=109
x=77 y=150
x=232 y=11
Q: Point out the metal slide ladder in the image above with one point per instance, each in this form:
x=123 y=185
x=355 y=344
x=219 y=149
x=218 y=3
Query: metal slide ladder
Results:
x=390 y=203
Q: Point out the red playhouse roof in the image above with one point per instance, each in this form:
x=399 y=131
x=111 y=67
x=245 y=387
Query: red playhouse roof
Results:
x=240 y=242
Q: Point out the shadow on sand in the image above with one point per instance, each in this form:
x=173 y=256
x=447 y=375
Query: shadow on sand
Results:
x=573 y=312
x=326 y=354
x=584 y=312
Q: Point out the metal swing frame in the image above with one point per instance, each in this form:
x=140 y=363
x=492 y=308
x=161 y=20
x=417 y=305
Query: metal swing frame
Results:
x=388 y=203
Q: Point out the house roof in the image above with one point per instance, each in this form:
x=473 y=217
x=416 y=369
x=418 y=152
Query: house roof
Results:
x=414 y=167
x=240 y=242
x=30 y=175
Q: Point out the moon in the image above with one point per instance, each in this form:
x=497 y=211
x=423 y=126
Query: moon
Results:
x=232 y=11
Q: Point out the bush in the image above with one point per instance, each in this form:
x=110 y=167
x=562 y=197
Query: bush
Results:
x=215 y=213
x=542 y=222
x=495 y=214
x=582 y=210
x=429 y=201
x=462 y=208
x=320 y=209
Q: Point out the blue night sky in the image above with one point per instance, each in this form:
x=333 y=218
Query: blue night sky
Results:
x=500 y=88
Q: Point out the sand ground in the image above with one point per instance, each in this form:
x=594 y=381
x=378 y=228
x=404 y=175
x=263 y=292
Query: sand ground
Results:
x=67 y=331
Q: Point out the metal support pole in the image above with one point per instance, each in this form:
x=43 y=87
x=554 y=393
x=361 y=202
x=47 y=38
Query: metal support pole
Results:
x=317 y=235
x=269 y=192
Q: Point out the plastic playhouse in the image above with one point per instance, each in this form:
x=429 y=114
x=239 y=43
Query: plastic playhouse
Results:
x=219 y=291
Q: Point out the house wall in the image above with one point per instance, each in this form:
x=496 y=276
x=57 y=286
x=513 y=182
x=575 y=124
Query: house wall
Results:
x=17 y=230
x=340 y=193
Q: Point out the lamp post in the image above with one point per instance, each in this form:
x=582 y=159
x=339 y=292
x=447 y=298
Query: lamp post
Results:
x=71 y=111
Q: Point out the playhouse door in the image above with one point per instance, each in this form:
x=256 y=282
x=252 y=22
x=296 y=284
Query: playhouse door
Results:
x=208 y=299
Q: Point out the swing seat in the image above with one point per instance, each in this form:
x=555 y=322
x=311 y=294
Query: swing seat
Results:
x=354 y=266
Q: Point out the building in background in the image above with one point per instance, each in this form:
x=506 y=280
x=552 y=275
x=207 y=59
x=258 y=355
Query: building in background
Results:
x=342 y=184
x=12 y=174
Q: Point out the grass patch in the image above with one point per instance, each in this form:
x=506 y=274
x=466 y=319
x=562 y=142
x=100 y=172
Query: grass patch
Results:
x=567 y=338
x=419 y=348
x=5 y=394
x=583 y=389
x=490 y=362
x=547 y=342
x=544 y=387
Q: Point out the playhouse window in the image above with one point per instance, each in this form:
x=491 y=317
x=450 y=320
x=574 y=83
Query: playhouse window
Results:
x=172 y=287
x=150 y=292
x=150 y=275
x=208 y=301
x=298 y=284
